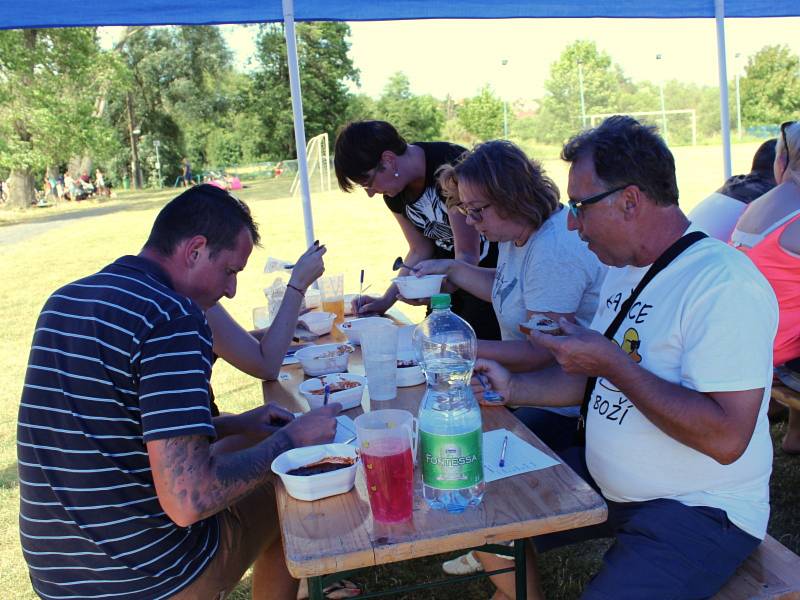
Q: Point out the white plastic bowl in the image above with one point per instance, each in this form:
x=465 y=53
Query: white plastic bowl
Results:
x=352 y=328
x=324 y=359
x=408 y=376
x=413 y=287
x=314 y=487
x=349 y=398
x=319 y=323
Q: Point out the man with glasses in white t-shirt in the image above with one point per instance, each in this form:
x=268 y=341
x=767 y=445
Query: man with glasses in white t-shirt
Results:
x=677 y=437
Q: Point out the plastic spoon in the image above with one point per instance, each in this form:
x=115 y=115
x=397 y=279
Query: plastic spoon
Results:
x=328 y=393
x=399 y=264
x=488 y=394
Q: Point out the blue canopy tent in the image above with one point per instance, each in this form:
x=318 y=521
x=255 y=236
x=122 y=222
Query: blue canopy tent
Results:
x=62 y=13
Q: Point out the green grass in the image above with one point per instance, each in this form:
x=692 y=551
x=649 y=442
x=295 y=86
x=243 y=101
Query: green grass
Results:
x=75 y=239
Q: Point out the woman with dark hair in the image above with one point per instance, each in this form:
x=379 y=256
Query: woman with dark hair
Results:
x=374 y=156
x=769 y=233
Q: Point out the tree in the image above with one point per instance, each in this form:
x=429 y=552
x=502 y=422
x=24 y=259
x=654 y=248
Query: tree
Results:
x=417 y=118
x=182 y=89
x=770 y=88
x=47 y=102
x=325 y=67
x=603 y=84
x=482 y=115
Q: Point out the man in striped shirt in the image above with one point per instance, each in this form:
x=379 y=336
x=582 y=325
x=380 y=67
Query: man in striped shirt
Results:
x=122 y=494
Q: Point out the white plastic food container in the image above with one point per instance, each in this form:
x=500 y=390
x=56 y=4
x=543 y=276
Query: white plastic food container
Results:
x=324 y=359
x=413 y=287
x=319 y=323
x=322 y=485
x=411 y=374
x=352 y=328
x=348 y=398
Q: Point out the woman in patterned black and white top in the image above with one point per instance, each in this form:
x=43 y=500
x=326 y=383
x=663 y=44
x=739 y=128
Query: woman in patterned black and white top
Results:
x=373 y=155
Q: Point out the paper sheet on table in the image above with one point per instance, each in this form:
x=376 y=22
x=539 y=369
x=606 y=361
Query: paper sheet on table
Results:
x=521 y=457
x=345 y=428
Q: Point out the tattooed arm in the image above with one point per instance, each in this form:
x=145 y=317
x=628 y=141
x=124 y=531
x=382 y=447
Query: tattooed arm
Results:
x=192 y=483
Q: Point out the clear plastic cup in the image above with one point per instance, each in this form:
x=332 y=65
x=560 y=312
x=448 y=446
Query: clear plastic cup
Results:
x=388 y=446
x=379 y=353
x=261 y=317
x=331 y=290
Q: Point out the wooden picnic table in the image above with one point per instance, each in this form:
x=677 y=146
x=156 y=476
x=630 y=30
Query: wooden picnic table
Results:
x=338 y=534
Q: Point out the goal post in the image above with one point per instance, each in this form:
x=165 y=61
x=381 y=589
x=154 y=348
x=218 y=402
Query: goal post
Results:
x=319 y=162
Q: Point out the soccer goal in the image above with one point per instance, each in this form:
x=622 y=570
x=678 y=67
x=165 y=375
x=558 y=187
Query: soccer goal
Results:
x=319 y=163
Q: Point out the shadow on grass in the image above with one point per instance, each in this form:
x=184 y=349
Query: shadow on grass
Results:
x=9 y=478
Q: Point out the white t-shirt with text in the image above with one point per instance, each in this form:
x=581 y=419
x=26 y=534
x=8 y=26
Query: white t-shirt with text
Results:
x=707 y=323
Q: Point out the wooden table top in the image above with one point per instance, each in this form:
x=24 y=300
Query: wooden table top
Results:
x=338 y=533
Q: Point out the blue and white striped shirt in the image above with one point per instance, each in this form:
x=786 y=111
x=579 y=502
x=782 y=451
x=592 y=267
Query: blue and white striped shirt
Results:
x=118 y=359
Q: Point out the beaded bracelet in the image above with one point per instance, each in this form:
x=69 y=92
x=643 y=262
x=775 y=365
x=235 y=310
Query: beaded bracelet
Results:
x=296 y=289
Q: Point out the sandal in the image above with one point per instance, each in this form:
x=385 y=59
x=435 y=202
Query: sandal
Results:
x=465 y=564
x=344 y=588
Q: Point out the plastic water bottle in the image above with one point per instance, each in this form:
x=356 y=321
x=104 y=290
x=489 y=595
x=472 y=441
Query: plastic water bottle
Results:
x=450 y=432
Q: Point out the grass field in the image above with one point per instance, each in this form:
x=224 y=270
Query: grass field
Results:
x=58 y=244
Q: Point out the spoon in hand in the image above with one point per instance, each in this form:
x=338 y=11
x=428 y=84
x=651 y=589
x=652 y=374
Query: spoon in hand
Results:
x=399 y=264
x=488 y=393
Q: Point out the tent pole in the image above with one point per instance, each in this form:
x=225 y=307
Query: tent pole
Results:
x=724 y=113
x=297 y=115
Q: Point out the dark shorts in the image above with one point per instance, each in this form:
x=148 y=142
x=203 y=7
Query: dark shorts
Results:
x=662 y=549
x=555 y=430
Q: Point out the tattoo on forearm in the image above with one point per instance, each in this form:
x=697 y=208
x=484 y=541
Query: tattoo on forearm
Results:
x=209 y=483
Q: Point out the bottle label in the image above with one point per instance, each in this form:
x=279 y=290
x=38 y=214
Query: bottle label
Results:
x=452 y=462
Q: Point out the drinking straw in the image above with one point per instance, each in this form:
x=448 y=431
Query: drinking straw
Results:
x=327 y=393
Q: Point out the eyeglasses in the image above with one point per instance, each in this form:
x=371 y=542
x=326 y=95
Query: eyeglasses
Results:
x=476 y=214
x=371 y=179
x=784 y=127
x=576 y=205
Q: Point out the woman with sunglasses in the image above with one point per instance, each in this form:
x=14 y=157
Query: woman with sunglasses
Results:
x=769 y=233
x=374 y=156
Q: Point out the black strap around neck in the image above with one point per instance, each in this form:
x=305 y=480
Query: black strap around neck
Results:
x=661 y=262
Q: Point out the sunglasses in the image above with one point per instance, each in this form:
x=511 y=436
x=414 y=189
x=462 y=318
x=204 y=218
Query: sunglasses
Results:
x=576 y=205
x=476 y=214
x=784 y=127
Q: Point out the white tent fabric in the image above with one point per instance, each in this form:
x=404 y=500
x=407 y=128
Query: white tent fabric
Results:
x=63 y=13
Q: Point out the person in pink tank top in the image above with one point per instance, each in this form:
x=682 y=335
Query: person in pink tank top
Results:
x=769 y=233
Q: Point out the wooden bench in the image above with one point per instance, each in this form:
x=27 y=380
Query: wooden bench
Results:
x=785 y=395
x=771 y=572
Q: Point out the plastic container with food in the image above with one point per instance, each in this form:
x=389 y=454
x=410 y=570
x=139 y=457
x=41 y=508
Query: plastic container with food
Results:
x=316 y=472
x=352 y=328
x=319 y=323
x=345 y=388
x=324 y=358
x=408 y=370
x=413 y=287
